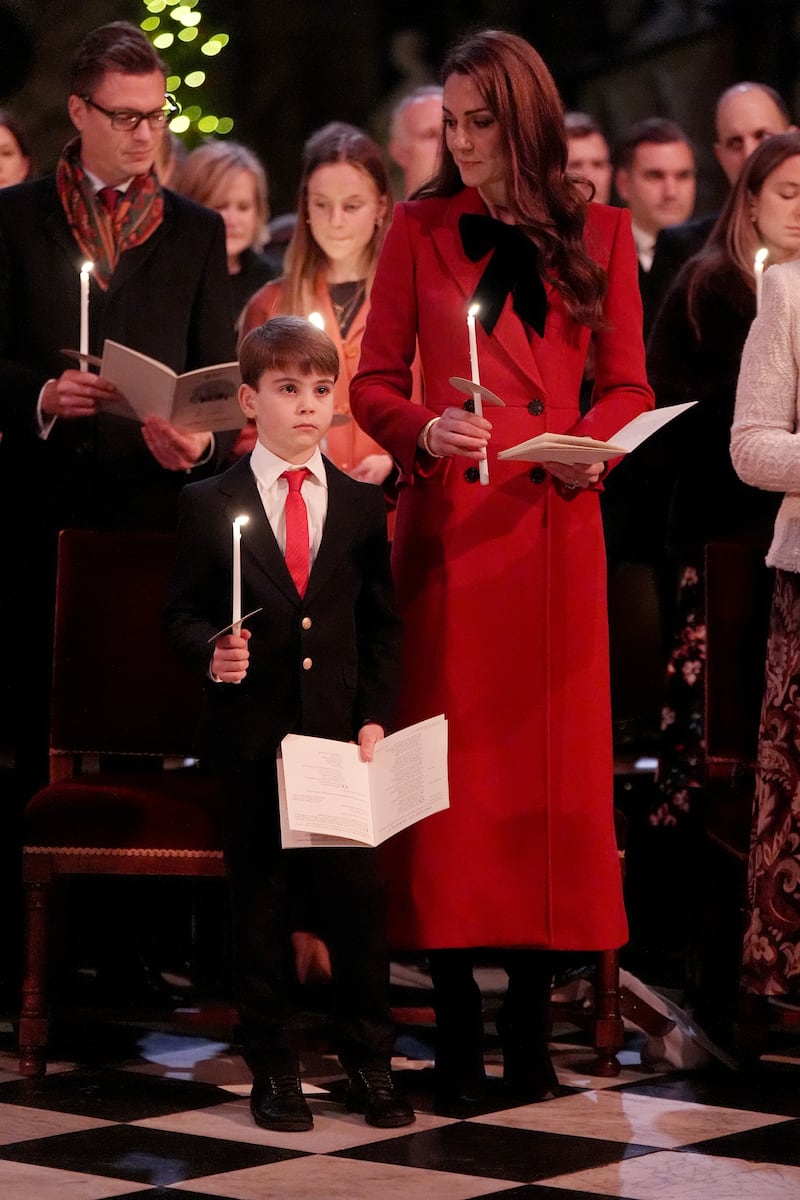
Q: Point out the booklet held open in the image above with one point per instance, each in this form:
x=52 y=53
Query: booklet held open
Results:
x=203 y=400
x=329 y=797
x=569 y=448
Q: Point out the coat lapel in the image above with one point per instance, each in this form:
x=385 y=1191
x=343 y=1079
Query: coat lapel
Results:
x=509 y=332
x=342 y=510
x=54 y=222
x=260 y=552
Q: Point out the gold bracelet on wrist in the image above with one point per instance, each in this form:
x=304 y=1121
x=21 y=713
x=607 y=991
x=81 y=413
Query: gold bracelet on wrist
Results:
x=425 y=438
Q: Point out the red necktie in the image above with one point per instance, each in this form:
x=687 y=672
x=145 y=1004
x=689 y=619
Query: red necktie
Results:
x=110 y=198
x=297 y=552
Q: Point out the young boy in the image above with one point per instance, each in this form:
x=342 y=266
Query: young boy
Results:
x=321 y=659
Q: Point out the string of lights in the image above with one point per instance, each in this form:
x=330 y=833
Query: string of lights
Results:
x=176 y=29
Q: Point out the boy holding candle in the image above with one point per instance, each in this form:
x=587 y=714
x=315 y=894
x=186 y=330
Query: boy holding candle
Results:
x=319 y=658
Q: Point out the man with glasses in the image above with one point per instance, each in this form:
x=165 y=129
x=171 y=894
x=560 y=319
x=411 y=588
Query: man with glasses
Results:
x=159 y=284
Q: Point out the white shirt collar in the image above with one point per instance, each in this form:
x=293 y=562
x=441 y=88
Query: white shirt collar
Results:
x=645 y=246
x=268 y=467
x=98 y=183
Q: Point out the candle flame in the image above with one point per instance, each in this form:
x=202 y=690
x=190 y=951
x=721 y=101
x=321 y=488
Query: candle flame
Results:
x=87 y=267
x=762 y=255
x=239 y=521
x=316 y=319
x=473 y=310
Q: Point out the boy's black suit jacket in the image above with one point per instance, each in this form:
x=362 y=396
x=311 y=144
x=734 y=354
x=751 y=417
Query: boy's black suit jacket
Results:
x=322 y=665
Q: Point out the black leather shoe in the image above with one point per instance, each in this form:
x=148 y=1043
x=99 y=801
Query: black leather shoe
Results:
x=276 y=1102
x=372 y=1092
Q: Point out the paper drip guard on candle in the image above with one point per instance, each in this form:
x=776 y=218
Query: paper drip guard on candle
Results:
x=758 y=272
x=229 y=628
x=469 y=389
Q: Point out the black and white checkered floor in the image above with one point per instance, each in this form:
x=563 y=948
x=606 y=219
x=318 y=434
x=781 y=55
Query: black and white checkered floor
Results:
x=142 y=1109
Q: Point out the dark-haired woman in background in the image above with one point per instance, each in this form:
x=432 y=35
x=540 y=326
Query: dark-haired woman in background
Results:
x=694 y=352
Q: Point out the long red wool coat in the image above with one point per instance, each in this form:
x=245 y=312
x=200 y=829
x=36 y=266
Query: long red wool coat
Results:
x=503 y=593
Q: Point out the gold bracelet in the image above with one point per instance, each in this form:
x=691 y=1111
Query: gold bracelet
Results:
x=425 y=438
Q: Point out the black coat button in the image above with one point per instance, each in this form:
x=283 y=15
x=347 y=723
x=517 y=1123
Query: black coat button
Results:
x=472 y=474
x=537 y=475
x=536 y=408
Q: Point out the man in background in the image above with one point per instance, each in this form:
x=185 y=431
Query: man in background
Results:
x=655 y=175
x=588 y=154
x=415 y=136
x=746 y=113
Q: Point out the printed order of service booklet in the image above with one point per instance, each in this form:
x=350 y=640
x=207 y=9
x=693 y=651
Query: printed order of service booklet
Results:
x=329 y=797
x=203 y=400
x=569 y=448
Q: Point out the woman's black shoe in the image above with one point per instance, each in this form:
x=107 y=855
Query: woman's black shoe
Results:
x=531 y=1078
x=461 y=1090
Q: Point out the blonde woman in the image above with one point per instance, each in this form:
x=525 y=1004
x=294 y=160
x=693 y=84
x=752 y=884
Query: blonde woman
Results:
x=229 y=178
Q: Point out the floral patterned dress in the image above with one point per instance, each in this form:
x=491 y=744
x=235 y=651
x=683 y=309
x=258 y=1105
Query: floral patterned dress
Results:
x=771 y=960
x=681 y=760
x=696 y=356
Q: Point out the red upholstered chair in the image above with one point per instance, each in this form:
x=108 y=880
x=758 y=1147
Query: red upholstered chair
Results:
x=120 y=800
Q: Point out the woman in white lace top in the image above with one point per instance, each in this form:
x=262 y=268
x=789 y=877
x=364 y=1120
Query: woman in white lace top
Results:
x=765 y=449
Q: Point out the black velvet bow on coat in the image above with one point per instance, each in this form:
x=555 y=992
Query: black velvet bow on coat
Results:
x=513 y=267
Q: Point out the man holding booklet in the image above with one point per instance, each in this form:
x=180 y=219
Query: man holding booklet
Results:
x=100 y=250
x=319 y=656
x=97 y=250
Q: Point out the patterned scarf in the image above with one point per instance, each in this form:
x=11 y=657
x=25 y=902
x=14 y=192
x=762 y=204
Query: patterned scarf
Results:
x=101 y=236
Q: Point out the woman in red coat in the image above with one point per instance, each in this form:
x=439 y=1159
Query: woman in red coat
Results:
x=502 y=587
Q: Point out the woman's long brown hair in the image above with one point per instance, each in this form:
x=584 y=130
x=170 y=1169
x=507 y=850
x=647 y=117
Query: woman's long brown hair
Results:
x=545 y=202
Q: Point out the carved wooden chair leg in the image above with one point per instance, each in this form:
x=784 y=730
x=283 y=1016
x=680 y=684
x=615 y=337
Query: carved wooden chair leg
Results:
x=34 y=1017
x=609 y=1031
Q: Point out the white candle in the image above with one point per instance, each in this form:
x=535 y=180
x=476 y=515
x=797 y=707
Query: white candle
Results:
x=86 y=271
x=758 y=271
x=237 y=573
x=483 y=466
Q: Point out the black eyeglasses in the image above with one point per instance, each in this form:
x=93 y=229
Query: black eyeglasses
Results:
x=125 y=120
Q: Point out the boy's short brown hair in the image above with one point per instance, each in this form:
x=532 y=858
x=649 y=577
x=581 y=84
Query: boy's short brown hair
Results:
x=284 y=344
